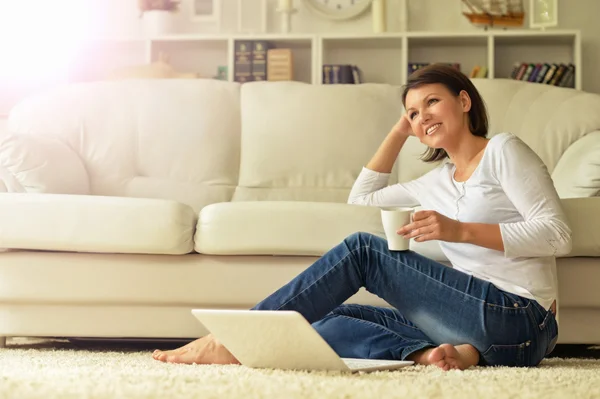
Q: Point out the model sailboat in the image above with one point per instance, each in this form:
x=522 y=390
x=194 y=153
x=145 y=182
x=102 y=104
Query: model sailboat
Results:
x=503 y=13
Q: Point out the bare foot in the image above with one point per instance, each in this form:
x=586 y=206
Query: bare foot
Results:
x=448 y=357
x=205 y=350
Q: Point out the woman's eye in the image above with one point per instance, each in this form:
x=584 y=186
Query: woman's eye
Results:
x=412 y=115
x=432 y=99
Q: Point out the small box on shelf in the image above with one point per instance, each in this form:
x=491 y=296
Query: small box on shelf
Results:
x=222 y=72
x=280 y=65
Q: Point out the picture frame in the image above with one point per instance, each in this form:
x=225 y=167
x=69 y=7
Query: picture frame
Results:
x=543 y=13
x=206 y=10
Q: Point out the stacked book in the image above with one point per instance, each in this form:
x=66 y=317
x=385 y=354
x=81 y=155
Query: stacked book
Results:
x=552 y=74
x=341 y=74
x=256 y=61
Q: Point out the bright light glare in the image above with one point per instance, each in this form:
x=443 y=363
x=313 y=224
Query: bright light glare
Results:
x=39 y=38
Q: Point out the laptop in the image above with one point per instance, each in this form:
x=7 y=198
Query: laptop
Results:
x=281 y=339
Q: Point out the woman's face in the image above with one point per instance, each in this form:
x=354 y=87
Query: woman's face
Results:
x=437 y=117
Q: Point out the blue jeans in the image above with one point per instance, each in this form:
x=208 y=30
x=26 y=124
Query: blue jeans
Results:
x=432 y=304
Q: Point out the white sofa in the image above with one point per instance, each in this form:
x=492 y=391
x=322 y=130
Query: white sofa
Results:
x=126 y=204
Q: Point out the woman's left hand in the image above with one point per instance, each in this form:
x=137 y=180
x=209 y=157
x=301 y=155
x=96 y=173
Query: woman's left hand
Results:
x=430 y=225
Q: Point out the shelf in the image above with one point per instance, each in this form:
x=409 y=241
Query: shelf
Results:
x=559 y=47
x=293 y=43
x=200 y=57
x=534 y=36
x=373 y=55
x=382 y=58
x=468 y=51
x=362 y=42
x=189 y=38
x=448 y=41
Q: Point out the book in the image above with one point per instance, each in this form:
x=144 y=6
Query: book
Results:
x=557 y=75
x=568 y=78
x=242 y=68
x=259 y=60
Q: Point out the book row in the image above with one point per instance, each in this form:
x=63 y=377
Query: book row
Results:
x=552 y=74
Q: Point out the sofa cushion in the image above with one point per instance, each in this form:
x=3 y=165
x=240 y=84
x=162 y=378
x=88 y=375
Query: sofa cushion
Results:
x=288 y=228
x=577 y=174
x=303 y=142
x=40 y=165
x=280 y=227
x=80 y=223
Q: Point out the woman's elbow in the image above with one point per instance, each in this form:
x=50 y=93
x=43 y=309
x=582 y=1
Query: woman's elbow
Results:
x=358 y=200
x=352 y=201
x=564 y=246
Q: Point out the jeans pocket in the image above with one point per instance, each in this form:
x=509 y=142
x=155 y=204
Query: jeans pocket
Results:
x=517 y=355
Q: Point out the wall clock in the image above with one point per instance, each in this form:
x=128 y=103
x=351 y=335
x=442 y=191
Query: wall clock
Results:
x=338 y=9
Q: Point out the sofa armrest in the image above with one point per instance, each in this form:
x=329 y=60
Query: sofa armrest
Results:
x=577 y=173
x=38 y=164
x=583 y=215
x=82 y=223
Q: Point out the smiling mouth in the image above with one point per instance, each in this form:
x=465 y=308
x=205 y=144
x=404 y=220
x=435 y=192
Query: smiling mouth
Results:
x=433 y=129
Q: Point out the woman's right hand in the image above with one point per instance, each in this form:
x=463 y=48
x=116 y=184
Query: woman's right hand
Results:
x=402 y=127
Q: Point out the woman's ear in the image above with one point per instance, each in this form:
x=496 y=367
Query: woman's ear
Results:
x=465 y=100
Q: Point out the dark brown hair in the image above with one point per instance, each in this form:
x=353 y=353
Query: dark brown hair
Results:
x=455 y=82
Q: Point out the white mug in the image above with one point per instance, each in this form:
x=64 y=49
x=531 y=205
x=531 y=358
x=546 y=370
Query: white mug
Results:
x=393 y=218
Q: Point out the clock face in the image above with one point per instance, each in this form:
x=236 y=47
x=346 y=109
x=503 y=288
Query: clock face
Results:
x=338 y=9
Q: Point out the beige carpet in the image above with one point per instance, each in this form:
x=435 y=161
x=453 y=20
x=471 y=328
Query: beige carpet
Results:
x=60 y=369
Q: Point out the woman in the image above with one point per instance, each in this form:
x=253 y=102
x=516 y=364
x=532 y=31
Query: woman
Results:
x=491 y=204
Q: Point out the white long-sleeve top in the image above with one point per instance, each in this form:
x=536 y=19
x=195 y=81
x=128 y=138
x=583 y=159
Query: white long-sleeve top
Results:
x=511 y=187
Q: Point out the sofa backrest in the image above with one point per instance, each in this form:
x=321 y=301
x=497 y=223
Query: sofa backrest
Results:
x=174 y=139
x=309 y=142
x=206 y=141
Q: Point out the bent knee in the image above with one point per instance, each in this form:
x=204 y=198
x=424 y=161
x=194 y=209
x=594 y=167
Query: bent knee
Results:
x=360 y=237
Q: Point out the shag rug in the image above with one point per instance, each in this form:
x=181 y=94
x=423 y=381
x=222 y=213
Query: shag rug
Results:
x=67 y=369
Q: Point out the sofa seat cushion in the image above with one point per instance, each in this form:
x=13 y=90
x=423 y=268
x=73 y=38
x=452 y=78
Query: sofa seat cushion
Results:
x=288 y=228
x=81 y=223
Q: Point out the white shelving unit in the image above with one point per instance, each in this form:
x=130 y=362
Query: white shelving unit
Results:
x=383 y=58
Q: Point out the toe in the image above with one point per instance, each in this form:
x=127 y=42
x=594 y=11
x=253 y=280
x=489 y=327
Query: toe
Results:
x=174 y=358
